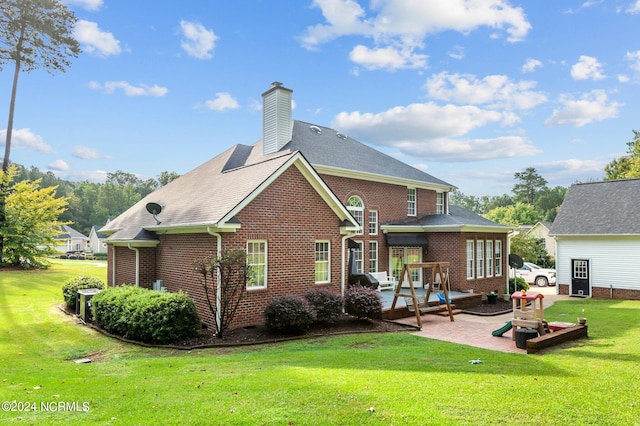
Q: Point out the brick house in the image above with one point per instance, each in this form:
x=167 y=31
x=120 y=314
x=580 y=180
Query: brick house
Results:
x=293 y=200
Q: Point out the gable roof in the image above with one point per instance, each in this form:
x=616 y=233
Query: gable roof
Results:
x=331 y=152
x=68 y=232
x=210 y=196
x=95 y=230
x=600 y=208
x=458 y=219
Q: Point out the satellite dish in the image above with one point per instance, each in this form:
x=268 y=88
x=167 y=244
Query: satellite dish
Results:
x=155 y=209
x=515 y=261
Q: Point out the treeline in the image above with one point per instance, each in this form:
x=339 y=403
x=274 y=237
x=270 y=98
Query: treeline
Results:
x=92 y=204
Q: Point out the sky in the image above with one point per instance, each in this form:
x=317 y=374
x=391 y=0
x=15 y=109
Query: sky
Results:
x=470 y=92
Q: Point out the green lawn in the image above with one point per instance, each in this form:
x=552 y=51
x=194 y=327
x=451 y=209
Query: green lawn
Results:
x=390 y=379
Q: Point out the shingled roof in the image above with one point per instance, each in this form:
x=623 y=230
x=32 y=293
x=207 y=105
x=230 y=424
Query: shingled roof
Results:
x=458 y=219
x=328 y=149
x=600 y=208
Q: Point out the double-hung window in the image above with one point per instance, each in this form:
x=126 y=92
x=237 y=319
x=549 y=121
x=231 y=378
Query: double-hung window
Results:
x=373 y=256
x=480 y=260
x=257 y=263
x=323 y=263
x=498 y=258
x=356 y=208
x=470 y=259
x=411 y=202
x=440 y=203
x=373 y=222
x=489 y=258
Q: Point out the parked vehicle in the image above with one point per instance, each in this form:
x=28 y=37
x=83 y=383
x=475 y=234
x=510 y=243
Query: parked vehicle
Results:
x=534 y=274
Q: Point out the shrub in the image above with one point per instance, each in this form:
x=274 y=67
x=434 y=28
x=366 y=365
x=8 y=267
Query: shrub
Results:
x=145 y=315
x=71 y=287
x=289 y=314
x=519 y=283
x=326 y=304
x=363 y=302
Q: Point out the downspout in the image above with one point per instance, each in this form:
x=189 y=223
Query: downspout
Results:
x=113 y=268
x=218 y=280
x=342 y=268
x=507 y=258
x=137 y=250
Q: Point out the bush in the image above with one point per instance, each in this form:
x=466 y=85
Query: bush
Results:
x=145 y=315
x=289 y=314
x=363 y=302
x=71 y=287
x=326 y=304
x=519 y=283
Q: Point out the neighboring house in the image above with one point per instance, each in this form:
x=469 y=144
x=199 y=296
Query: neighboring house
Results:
x=70 y=240
x=293 y=201
x=597 y=234
x=541 y=231
x=97 y=240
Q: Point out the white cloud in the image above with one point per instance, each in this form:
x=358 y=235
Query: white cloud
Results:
x=95 y=41
x=198 y=41
x=495 y=91
x=434 y=132
x=401 y=26
x=457 y=52
x=109 y=87
x=388 y=58
x=592 y=106
x=25 y=139
x=86 y=153
x=530 y=65
x=587 y=68
x=58 y=165
x=91 y=5
x=80 y=175
x=634 y=8
x=634 y=58
x=222 y=102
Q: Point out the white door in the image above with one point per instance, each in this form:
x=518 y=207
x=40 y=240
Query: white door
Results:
x=402 y=255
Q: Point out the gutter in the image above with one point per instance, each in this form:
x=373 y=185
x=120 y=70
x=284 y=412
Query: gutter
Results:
x=218 y=279
x=137 y=250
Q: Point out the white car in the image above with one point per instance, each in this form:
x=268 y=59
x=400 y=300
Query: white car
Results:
x=534 y=274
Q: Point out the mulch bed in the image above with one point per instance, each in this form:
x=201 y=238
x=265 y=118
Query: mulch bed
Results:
x=500 y=307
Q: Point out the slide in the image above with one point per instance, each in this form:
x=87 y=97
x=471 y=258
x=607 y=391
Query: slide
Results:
x=499 y=332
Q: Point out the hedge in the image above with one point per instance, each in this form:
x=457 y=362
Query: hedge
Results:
x=146 y=315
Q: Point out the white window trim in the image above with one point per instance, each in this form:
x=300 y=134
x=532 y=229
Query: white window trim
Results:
x=412 y=202
x=357 y=212
x=327 y=262
x=480 y=259
x=373 y=214
x=373 y=258
x=497 y=247
x=488 y=247
x=266 y=264
x=359 y=262
x=471 y=259
x=439 y=202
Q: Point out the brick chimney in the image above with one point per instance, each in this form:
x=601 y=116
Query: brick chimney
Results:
x=276 y=118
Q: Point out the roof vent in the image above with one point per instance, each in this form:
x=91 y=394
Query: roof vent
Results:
x=315 y=129
x=341 y=136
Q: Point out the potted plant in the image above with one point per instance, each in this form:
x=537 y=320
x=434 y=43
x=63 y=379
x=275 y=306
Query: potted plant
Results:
x=492 y=297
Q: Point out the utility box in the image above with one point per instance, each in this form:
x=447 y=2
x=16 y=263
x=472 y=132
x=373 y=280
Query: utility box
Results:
x=84 y=302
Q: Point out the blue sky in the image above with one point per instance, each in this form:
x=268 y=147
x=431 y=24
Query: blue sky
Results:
x=468 y=91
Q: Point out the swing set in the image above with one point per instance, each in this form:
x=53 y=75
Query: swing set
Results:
x=437 y=271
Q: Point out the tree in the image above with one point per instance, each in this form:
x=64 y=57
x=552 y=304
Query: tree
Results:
x=167 y=177
x=548 y=201
x=519 y=214
x=224 y=280
x=32 y=221
x=529 y=185
x=628 y=166
x=33 y=34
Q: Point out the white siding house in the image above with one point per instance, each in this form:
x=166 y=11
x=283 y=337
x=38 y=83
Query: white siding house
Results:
x=597 y=234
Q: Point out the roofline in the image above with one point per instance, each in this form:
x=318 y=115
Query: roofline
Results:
x=374 y=177
x=445 y=228
x=134 y=243
x=594 y=235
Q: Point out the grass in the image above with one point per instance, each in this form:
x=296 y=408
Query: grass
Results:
x=385 y=379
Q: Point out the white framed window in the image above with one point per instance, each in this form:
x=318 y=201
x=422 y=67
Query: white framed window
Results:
x=358 y=257
x=470 y=259
x=439 y=202
x=489 y=259
x=373 y=256
x=402 y=255
x=498 y=258
x=373 y=222
x=411 y=202
x=356 y=208
x=480 y=260
x=323 y=262
x=581 y=269
x=257 y=263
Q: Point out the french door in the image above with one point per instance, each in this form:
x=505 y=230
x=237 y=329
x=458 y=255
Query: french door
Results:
x=402 y=255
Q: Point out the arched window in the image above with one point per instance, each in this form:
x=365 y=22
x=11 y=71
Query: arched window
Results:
x=356 y=208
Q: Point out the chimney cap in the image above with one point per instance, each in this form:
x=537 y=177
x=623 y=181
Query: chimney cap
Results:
x=276 y=84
